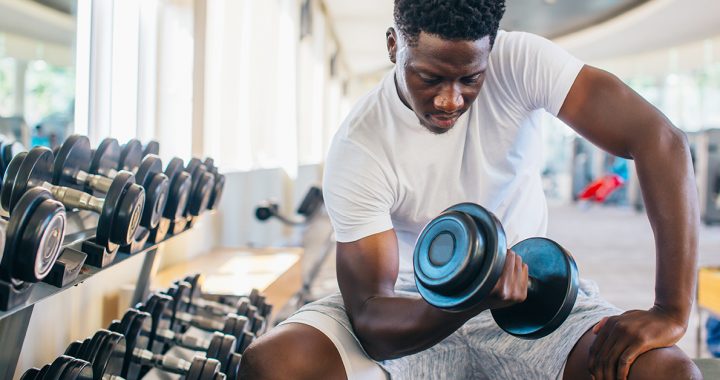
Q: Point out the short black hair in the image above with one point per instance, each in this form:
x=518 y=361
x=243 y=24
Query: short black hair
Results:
x=468 y=20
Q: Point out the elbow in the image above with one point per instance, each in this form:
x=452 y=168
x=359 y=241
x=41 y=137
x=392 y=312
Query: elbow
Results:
x=667 y=141
x=376 y=345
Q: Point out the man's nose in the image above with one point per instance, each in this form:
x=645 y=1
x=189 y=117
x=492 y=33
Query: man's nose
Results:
x=449 y=99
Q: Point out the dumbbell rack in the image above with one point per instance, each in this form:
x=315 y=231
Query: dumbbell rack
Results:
x=14 y=322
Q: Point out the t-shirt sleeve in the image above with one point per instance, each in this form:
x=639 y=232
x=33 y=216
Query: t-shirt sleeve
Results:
x=357 y=193
x=537 y=70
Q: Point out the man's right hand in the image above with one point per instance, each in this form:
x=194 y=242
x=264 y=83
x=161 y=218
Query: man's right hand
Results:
x=512 y=285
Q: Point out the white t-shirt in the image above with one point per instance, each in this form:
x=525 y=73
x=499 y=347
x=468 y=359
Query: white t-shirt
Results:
x=384 y=170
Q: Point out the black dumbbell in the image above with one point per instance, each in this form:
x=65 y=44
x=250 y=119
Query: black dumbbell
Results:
x=220 y=346
x=8 y=150
x=32 y=237
x=120 y=210
x=180 y=293
x=180 y=190
x=238 y=304
x=459 y=257
x=152 y=147
x=219 y=185
x=131 y=155
x=162 y=307
x=76 y=167
x=130 y=330
x=62 y=368
x=202 y=187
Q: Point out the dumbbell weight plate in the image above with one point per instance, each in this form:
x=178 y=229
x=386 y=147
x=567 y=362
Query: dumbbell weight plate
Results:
x=554 y=271
x=130 y=213
x=74 y=156
x=217 y=192
x=9 y=180
x=152 y=147
x=173 y=167
x=209 y=163
x=10 y=150
x=31 y=374
x=233 y=368
x=459 y=257
x=106 y=158
x=209 y=370
x=34 y=170
x=56 y=368
x=201 y=193
x=131 y=155
x=73 y=349
x=121 y=211
x=196 y=368
x=156 y=184
x=216 y=341
x=89 y=351
x=34 y=235
x=109 y=358
x=178 y=196
x=77 y=369
x=227 y=348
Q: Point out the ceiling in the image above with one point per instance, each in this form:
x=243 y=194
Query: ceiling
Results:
x=360 y=25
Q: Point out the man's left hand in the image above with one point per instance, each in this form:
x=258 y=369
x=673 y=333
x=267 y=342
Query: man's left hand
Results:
x=622 y=338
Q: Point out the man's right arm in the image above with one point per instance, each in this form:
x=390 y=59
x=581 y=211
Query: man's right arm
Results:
x=391 y=325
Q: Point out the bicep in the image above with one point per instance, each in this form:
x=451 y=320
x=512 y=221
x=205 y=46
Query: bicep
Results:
x=610 y=114
x=366 y=268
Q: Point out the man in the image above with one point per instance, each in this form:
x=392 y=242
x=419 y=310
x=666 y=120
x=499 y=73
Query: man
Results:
x=457 y=120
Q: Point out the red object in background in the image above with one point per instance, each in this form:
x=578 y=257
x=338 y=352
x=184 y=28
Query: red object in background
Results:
x=601 y=188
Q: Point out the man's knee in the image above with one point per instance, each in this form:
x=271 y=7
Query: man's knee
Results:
x=292 y=351
x=664 y=363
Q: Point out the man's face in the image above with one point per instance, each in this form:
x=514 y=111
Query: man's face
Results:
x=438 y=79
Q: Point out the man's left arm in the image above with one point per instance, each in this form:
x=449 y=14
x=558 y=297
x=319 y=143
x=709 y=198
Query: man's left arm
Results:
x=608 y=113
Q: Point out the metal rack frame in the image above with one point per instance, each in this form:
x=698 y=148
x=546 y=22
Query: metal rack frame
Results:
x=14 y=322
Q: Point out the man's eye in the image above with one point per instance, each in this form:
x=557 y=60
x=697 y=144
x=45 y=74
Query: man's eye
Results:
x=429 y=80
x=473 y=79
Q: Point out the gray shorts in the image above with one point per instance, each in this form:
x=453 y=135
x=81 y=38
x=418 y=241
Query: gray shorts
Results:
x=477 y=350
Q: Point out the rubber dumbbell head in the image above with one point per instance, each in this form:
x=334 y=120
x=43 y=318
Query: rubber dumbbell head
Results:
x=459 y=257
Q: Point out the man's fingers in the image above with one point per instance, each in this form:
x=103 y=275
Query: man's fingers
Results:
x=595 y=354
x=626 y=359
x=599 y=325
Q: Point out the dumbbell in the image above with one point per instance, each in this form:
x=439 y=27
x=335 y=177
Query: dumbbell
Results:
x=180 y=190
x=109 y=353
x=130 y=330
x=202 y=187
x=180 y=293
x=63 y=368
x=76 y=167
x=162 y=306
x=220 y=346
x=8 y=150
x=31 y=239
x=152 y=147
x=119 y=211
x=460 y=255
x=219 y=185
x=237 y=305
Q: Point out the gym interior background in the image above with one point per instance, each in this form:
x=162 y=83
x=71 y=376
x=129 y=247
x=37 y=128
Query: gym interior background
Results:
x=261 y=86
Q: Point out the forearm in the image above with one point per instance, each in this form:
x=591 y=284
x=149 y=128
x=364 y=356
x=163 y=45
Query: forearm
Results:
x=394 y=326
x=667 y=180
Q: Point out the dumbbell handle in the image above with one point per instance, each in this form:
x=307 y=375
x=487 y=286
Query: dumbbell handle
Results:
x=200 y=322
x=75 y=198
x=95 y=182
x=182 y=340
x=166 y=363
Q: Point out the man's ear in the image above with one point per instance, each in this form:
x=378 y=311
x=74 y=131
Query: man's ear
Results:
x=392 y=42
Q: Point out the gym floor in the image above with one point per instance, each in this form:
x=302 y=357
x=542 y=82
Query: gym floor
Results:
x=614 y=247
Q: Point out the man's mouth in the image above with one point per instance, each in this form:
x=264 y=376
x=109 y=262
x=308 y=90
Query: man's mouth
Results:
x=444 y=121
